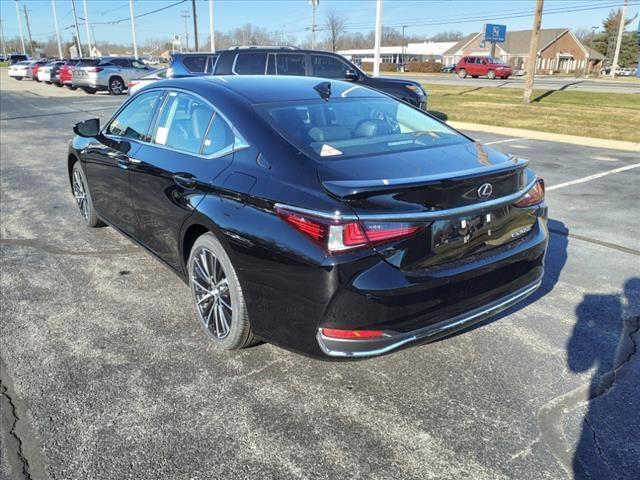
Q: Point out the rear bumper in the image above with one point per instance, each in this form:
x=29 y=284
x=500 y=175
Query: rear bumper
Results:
x=88 y=82
x=369 y=348
x=436 y=303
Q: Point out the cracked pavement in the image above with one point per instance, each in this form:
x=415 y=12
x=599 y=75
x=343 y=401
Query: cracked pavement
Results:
x=106 y=372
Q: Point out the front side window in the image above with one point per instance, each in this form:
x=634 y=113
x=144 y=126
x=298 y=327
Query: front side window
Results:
x=348 y=127
x=133 y=122
x=250 y=64
x=290 y=64
x=183 y=122
x=329 y=67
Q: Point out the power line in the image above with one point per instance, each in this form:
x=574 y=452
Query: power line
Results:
x=128 y=19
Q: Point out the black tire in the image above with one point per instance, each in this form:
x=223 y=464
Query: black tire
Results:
x=58 y=84
x=18 y=78
x=72 y=87
x=48 y=83
x=491 y=74
x=89 y=90
x=80 y=185
x=462 y=73
x=116 y=86
x=223 y=287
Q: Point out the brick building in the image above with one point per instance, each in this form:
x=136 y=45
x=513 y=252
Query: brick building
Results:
x=558 y=51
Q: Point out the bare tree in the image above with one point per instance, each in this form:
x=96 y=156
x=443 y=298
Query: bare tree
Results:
x=336 y=23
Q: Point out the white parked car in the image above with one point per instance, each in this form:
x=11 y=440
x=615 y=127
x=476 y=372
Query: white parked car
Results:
x=138 y=83
x=21 y=70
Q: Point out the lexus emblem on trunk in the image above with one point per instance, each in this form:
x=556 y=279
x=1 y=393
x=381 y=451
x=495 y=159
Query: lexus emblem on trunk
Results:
x=485 y=190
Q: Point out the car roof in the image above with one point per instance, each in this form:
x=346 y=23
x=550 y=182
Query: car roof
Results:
x=271 y=88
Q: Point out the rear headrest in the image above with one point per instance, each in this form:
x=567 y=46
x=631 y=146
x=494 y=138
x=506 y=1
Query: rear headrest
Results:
x=373 y=128
x=326 y=134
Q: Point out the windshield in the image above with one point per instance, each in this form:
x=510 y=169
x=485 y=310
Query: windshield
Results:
x=348 y=127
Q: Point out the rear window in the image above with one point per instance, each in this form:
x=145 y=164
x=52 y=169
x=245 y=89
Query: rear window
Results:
x=349 y=127
x=88 y=62
x=250 y=64
x=195 y=63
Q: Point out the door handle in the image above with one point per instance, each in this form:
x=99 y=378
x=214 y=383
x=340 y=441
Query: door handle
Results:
x=185 y=180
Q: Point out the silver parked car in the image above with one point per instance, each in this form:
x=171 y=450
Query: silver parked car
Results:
x=154 y=76
x=108 y=73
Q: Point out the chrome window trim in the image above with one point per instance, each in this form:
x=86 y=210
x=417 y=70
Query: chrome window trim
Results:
x=239 y=143
x=414 y=216
x=492 y=309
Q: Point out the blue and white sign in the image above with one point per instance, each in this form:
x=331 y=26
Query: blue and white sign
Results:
x=495 y=33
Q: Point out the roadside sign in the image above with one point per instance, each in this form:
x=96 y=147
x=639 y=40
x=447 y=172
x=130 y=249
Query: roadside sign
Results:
x=495 y=33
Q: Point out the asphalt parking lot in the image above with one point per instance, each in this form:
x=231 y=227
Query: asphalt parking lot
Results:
x=106 y=372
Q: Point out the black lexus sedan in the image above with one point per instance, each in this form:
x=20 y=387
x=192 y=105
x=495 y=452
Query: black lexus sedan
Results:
x=321 y=216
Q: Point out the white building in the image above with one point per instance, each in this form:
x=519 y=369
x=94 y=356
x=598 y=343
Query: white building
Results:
x=412 y=52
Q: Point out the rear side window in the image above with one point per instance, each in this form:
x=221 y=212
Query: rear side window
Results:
x=195 y=63
x=290 y=64
x=250 y=64
x=120 y=62
x=183 y=123
x=88 y=62
x=133 y=122
x=220 y=137
x=329 y=67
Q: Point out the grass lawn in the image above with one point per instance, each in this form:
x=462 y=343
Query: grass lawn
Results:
x=613 y=116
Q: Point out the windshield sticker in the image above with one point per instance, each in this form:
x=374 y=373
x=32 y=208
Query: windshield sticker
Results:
x=329 y=151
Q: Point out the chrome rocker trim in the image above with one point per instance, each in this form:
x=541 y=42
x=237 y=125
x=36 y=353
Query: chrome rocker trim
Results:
x=455 y=323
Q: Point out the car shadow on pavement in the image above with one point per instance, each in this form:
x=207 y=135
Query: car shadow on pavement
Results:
x=605 y=338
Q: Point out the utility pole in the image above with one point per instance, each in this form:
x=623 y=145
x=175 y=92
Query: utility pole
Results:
x=93 y=36
x=532 y=60
x=75 y=22
x=616 y=54
x=24 y=50
x=376 y=52
x=314 y=5
x=184 y=14
x=4 y=45
x=86 y=25
x=55 y=22
x=26 y=16
x=195 y=23
x=212 y=39
x=133 y=30
x=402 y=64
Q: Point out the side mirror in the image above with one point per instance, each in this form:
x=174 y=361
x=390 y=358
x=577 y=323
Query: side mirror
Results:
x=351 y=74
x=89 y=128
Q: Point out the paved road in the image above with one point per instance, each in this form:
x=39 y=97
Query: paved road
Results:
x=106 y=373
x=542 y=83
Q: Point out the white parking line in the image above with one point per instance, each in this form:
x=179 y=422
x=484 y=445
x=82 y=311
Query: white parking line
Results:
x=592 y=177
x=504 y=141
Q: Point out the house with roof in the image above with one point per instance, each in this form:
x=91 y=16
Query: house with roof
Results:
x=559 y=50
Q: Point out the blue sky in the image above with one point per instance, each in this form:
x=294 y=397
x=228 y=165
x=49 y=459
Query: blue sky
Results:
x=424 y=17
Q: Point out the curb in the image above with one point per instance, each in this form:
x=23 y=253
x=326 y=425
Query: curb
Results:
x=551 y=137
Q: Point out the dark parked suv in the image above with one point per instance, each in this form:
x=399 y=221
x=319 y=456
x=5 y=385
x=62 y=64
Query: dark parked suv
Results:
x=292 y=61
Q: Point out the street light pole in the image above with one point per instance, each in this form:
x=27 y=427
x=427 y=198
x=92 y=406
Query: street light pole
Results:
x=211 y=30
x=86 y=25
x=4 y=45
x=133 y=30
x=75 y=22
x=24 y=50
x=314 y=5
x=532 y=60
x=376 y=52
x=26 y=16
x=55 y=22
x=616 y=54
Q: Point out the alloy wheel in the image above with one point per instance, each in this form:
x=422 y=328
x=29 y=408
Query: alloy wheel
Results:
x=116 y=87
x=80 y=193
x=212 y=295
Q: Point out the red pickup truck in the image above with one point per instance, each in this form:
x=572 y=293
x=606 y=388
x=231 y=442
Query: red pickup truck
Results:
x=483 y=66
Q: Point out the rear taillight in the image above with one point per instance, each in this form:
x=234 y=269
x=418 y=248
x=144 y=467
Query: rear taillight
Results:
x=340 y=236
x=94 y=69
x=132 y=83
x=534 y=196
x=352 y=334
